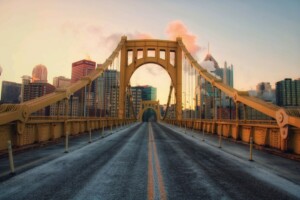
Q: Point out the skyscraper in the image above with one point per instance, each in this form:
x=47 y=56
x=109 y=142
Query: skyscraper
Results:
x=35 y=90
x=205 y=100
x=136 y=98
x=264 y=91
x=61 y=82
x=39 y=74
x=142 y=93
x=10 y=92
x=80 y=69
x=288 y=93
x=148 y=93
x=59 y=109
x=108 y=93
x=25 y=81
x=226 y=73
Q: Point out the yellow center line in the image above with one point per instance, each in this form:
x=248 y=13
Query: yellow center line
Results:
x=151 y=190
x=161 y=187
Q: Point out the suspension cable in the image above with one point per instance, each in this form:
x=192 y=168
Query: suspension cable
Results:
x=194 y=93
x=110 y=90
x=115 y=89
x=185 y=87
x=190 y=93
x=200 y=97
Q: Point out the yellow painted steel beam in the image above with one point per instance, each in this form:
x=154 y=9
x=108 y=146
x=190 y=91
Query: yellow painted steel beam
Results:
x=168 y=104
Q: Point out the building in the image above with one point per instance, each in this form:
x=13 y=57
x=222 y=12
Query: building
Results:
x=149 y=93
x=34 y=90
x=82 y=68
x=288 y=93
x=86 y=100
x=142 y=93
x=136 y=93
x=204 y=100
x=39 y=74
x=265 y=92
x=107 y=93
x=171 y=111
x=26 y=80
x=10 y=92
x=226 y=73
x=58 y=109
x=61 y=82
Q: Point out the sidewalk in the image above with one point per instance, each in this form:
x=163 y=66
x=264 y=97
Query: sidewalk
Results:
x=34 y=155
x=279 y=165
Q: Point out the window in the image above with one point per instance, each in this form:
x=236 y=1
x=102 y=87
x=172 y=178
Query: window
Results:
x=140 y=53
x=151 y=53
x=129 y=57
x=162 y=54
x=172 y=58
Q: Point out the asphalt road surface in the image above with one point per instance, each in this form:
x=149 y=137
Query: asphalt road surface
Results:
x=148 y=161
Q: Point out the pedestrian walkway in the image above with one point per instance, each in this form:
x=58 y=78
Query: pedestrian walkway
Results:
x=35 y=155
x=283 y=167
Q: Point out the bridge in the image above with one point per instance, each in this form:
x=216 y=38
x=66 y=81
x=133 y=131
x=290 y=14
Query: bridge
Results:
x=195 y=108
x=149 y=105
x=280 y=130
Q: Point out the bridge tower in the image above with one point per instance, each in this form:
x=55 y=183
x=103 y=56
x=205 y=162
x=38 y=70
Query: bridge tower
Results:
x=154 y=105
x=167 y=54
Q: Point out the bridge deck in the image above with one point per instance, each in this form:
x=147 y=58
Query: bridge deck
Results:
x=160 y=162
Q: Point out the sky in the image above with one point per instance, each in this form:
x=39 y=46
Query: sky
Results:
x=259 y=37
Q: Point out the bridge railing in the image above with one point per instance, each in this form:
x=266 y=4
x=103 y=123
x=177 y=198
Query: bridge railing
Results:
x=42 y=129
x=264 y=133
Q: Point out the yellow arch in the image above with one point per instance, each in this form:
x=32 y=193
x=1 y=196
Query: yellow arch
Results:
x=139 y=50
x=132 y=68
x=154 y=105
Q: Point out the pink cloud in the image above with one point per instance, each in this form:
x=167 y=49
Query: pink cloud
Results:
x=178 y=29
x=139 y=36
x=143 y=36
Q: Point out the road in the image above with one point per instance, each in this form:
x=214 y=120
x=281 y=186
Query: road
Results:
x=148 y=161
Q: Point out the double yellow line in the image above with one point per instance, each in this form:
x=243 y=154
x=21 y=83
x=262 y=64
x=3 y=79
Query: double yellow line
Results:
x=153 y=160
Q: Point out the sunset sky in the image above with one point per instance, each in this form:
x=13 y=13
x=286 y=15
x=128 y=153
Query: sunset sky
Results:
x=261 y=38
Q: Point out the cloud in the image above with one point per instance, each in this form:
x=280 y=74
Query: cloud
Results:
x=140 y=36
x=112 y=40
x=178 y=29
x=151 y=69
x=208 y=65
x=90 y=39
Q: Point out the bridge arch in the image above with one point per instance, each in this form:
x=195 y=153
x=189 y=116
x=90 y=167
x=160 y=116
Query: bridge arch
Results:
x=146 y=105
x=146 y=118
x=167 y=54
x=132 y=69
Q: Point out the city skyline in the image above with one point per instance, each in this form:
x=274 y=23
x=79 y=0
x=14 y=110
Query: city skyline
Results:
x=258 y=38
